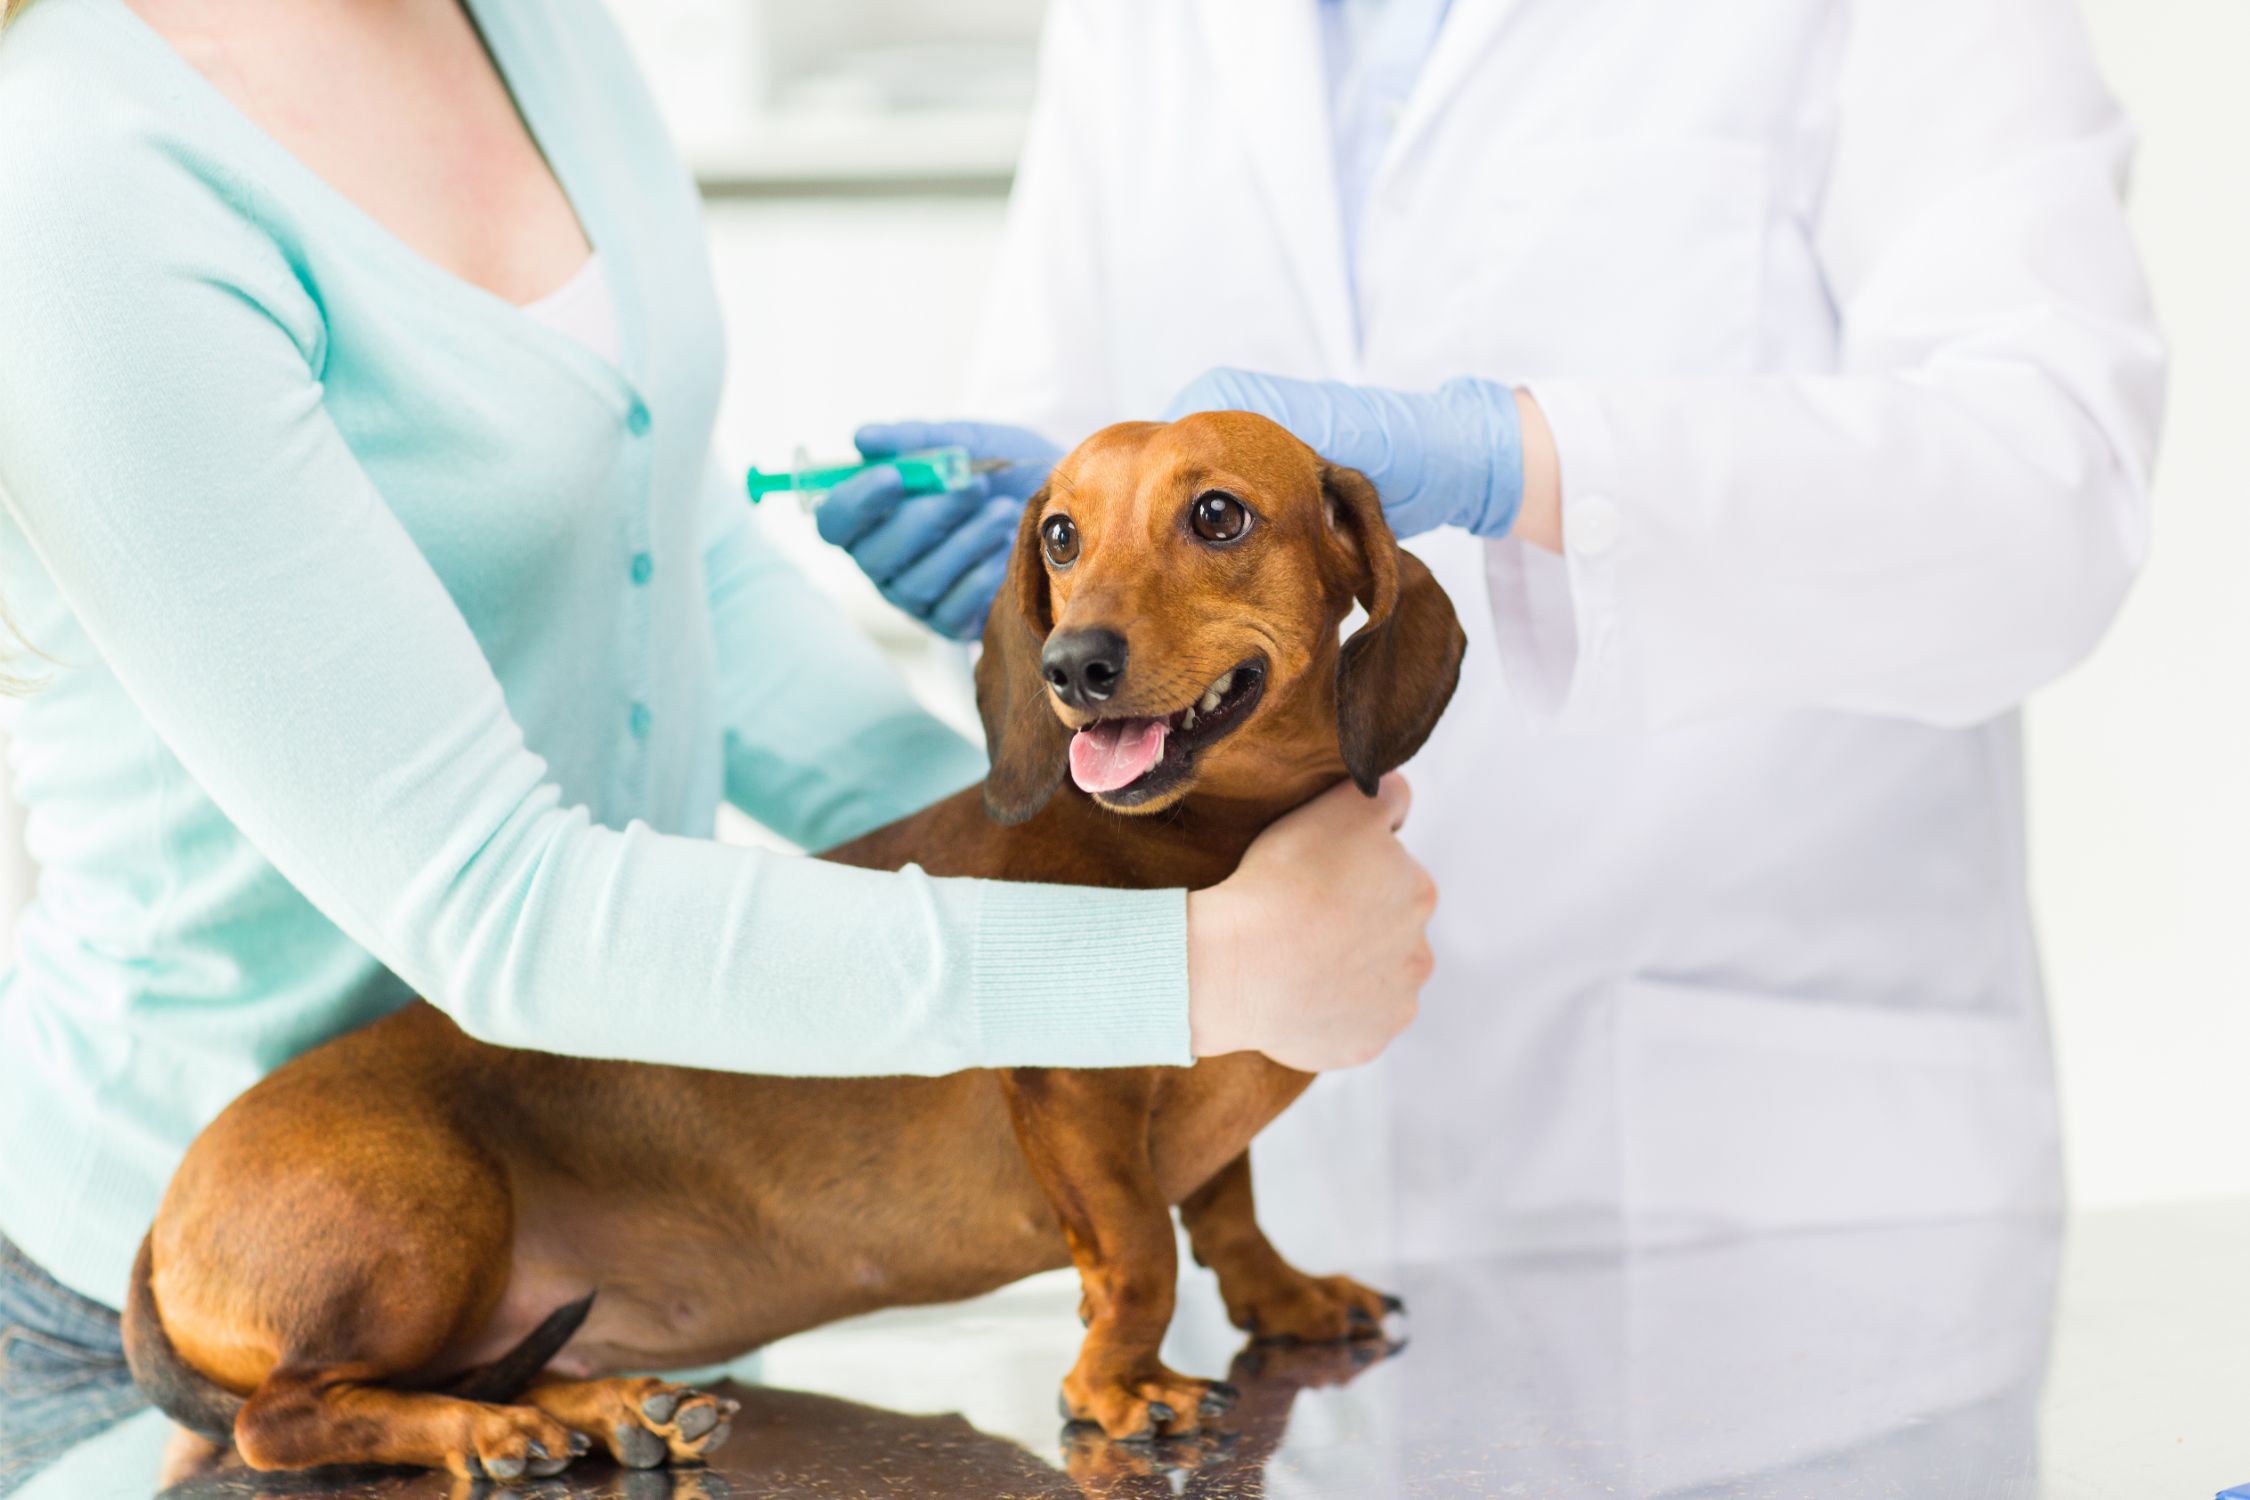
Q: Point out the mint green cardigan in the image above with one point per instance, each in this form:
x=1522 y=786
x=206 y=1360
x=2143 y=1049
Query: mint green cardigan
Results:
x=398 y=645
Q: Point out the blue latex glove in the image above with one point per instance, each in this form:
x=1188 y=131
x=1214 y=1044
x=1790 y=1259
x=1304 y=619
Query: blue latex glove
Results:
x=938 y=557
x=1449 y=457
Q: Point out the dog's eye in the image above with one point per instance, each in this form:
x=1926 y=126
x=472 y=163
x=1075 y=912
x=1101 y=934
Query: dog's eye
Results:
x=1218 y=517
x=1060 y=536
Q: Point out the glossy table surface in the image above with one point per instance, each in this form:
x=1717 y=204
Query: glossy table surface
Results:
x=1986 y=1361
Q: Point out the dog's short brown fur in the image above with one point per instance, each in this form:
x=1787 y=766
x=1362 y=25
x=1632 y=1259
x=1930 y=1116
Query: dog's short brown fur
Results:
x=384 y=1253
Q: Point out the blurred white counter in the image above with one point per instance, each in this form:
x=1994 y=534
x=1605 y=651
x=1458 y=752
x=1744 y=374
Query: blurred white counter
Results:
x=1970 y=1361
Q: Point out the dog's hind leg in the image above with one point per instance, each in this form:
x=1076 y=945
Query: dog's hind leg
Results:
x=328 y=1259
x=341 y=1414
x=1265 y=1295
x=643 y=1421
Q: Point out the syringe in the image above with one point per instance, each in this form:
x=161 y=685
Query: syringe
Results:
x=927 y=472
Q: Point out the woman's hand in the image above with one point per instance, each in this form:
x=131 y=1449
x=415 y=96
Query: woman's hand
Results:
x=1313 y=951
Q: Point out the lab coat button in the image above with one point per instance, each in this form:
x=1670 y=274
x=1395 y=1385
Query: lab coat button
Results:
x=637 y=721
x=643 y=565
x=1591 y=527
x=637 y=420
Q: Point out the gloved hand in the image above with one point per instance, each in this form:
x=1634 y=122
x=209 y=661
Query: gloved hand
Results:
x=1449 y=457
x=938 y=557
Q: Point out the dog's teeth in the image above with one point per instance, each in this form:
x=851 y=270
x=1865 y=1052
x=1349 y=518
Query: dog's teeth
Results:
x=1187 y=720
x=1208 y=702
x=1222 y=685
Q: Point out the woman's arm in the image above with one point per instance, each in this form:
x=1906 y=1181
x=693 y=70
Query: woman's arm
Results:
x=165 y=448
x=823 y=742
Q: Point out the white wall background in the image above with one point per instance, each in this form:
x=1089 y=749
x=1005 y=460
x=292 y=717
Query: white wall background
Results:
x=2140 y=761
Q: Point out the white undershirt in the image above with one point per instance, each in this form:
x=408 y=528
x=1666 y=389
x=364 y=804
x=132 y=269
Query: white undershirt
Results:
x=582 y=308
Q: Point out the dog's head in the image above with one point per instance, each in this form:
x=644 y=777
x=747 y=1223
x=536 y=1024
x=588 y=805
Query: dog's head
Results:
x=1170 y=626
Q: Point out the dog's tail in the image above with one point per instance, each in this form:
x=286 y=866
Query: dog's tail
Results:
x=507 y=1377
x=208 y=1409
x=180 y=1391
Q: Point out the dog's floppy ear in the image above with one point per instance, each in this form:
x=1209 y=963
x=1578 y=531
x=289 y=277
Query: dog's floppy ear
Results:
x=1028 y=745
x=1398 y=671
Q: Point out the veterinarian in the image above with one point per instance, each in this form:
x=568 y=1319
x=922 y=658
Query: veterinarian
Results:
x=1773 y=386
x=395 y=634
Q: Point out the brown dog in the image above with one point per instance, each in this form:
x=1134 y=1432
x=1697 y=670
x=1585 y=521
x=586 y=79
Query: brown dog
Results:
x=372 y=1250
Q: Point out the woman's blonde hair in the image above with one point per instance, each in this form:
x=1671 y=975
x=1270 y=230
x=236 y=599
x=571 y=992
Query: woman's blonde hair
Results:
x=8 y=9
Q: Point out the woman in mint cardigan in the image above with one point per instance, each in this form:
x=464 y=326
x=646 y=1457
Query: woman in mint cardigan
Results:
x=393 y=641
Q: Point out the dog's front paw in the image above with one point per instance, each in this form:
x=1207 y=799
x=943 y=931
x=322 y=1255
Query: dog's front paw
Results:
x=662 y=1421
x=1294 y=1308
x=1142 y=1405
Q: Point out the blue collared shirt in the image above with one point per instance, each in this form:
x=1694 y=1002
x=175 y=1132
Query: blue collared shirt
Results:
x=1375 y=51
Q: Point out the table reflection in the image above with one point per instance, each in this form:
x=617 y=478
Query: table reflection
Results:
x=1902 y=1361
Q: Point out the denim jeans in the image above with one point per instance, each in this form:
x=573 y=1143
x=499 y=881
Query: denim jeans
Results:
x=62 y=1369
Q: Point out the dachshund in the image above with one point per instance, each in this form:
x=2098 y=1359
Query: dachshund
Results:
x=409 y=1247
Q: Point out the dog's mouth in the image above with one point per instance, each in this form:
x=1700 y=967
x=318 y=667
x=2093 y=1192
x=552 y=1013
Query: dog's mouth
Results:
x=1128 y=761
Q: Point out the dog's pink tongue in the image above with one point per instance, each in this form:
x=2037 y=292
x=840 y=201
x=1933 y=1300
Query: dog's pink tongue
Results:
x=1118 y=752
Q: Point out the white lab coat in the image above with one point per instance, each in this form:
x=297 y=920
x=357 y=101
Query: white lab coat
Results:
x=1855 y=383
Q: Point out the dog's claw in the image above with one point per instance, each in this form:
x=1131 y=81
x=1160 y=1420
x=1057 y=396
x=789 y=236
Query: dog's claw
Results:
x=1393 y=1304
x=504 y=1468
x=638 y=1448
x=659 y=1407
x=1217 y=1399
x=1161 y=1412
x=580 y=1445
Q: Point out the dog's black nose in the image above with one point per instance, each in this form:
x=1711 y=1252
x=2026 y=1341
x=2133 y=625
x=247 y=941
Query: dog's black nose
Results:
x=1084 y=666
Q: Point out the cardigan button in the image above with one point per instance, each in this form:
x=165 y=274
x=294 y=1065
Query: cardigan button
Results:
x=636 y=720
x=637 y=419
x=643 y=566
